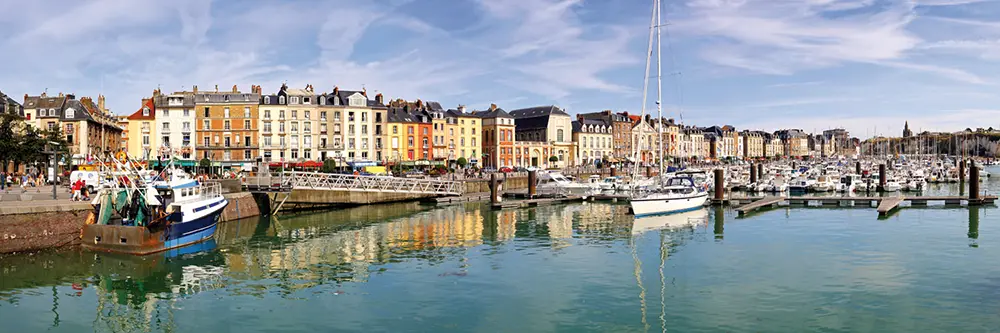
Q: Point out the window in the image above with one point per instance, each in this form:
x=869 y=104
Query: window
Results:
x=305 y=114
x=473 y=122
x=409 y=129
x=462 y=130
x=166 y=112
x=364 y=116
x=409 y=141
x=145 y=140
x=166 y=141
x=206 y=110
x=293 y=100
x=350 y=129
x=378 y=129
x=378 y=117
x=473 y=141
x=307 y=141
x=281 y=127
x=166 y=127
x=364 y=129
x=462 y=141
x=267 y=99
x=225 y=155
x=281 y=114
x=246 y=141
x=322 y=128
x=322 y=115
x=70 y=113
x=350 y=116
x=246 y=155
x=281 y=141
x=395 y=143
x=307 y=154
x=281 y=99
x=206 y=141
x=425 y=130
x=187 y=113
x=425 y=142
x=225 y=112
x=187 y=126
x=226 y=125
x=451 y=131
x=246 y=124
x=295 y=114
x=246 y=112
x=395 y=129
x=350 y=143
x=145 y=112
x=267 y=141
x=226 y=140
x=307 y=127
x=295 y=127
x=336 y=116
x=187 y=140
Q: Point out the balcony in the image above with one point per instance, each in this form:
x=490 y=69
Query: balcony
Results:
x=186 y=130
x=165 y=131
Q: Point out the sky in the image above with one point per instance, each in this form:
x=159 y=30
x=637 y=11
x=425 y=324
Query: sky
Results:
x=863 y=65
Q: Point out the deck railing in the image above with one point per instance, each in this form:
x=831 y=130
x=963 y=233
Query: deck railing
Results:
x=328 y=181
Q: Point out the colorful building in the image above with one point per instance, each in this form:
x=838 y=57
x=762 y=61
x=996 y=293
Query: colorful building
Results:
x=593 y=140
x=175 y=122
x=497 y=137
x=548 y=124
x=227 y=129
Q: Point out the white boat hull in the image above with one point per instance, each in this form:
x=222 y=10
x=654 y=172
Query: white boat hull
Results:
x=661 y=204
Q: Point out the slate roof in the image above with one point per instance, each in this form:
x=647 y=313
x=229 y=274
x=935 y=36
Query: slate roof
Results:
x=538 y=111
x=162 y=101
x=80 y=111
x=272 y=99
x=433 y=106
x=227 y=97
x=496 y=113
x=399 y=115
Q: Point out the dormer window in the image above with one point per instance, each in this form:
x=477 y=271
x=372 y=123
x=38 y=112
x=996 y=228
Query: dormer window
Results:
x=305 y=100
x=225 y=97
x=145 y=112
x=267 y=99
x=281 y=99
x=322 y=101
x=294 y=100
x=70 y=113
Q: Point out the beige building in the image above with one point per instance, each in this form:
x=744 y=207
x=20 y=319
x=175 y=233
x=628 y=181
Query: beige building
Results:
x=753 y=144
x=593 y=140
x=549 y=124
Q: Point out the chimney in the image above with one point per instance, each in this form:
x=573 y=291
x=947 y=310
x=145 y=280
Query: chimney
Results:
x=216 y=88
x=378 y=98
x=579 y=117
x=25 y=98
x=336 y=90
x=45 y=94
x=68 y=96
x=194 y=89
x=493 y=107
x=60 y=94
x=649 y=119
x=364 y=91
x=461 y=108
x=234 y=89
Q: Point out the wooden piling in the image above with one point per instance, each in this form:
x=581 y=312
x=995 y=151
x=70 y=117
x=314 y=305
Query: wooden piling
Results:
x=532 y=183
x=857 y=167
x=753 y=174
x=614 y=172
x=494 y=191
x=760 y=171
x=881 y=177
x=973 y=183
x=961 y=172
x=720 y=189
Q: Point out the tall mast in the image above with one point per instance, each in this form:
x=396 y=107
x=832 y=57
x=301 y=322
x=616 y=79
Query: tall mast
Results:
x=645 y=88
x=659 y=86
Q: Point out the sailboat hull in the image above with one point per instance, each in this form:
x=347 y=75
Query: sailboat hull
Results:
x=657 y=204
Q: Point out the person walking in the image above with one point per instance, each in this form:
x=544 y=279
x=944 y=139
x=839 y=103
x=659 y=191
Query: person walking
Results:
x=3 y=180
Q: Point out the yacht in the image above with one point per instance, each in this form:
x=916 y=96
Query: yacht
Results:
x=823 y=184
x=678 y=194
x=554 y=182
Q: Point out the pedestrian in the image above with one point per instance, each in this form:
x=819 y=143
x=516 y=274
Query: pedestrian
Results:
x=75 y=190
x=3 y=180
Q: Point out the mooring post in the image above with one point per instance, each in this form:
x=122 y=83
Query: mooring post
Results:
x=720 y=190
x=857 y=167
x=494 y=191
x=760 y=170
x=649 y=171
x=961 y=172
x=753 y=174
x=881 y=177
x=614 y=172
x=532 y=183
x=973 y=183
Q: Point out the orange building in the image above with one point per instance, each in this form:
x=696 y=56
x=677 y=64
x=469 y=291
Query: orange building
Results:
x=226 y=130
x=497 y=137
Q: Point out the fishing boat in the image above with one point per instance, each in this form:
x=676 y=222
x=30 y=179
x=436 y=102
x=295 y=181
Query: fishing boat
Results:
x=142 y=216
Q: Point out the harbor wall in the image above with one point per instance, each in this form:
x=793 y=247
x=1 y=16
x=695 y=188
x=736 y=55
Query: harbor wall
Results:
x=51 y=224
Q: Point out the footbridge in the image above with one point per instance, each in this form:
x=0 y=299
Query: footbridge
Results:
x=304 y=189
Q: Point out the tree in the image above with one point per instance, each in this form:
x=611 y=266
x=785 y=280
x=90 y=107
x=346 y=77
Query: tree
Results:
x=553 y=159
x=461 y=161
x=329 y=166
x=205 y=163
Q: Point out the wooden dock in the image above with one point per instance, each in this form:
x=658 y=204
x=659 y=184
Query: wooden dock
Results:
x=470 y=197
x=886 y=205
x=765 y=202
x=534 y=202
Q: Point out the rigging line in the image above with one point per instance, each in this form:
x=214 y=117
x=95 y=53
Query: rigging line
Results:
x=678 y=89
x=645 y=87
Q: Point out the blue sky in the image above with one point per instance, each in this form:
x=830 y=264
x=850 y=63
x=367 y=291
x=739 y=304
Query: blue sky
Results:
x=866 y=65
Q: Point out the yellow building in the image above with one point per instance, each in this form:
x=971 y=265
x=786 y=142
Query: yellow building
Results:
x=142 y=141
x=464 y=135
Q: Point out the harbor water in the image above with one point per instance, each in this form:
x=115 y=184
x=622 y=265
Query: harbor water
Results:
x=573 y=268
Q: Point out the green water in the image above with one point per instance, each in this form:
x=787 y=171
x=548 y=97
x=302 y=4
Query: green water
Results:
x=571 y=268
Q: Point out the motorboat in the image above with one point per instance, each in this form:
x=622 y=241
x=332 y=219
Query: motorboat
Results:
x=678 y=194
x=848 y=183
x=800 y=185
x=555 y=183
x=823 y=184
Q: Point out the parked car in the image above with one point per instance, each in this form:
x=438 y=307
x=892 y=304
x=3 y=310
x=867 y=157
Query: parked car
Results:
x=506 y=170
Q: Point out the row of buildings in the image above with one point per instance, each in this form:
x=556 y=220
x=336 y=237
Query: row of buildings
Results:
x=233 y=128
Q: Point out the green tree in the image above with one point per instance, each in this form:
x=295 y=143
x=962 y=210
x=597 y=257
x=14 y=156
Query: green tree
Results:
x=205 y=163
x=553 y=159
x=462 y=162
x=329 y=166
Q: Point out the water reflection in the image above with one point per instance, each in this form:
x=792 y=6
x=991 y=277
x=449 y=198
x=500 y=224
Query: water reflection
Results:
x=973 y=226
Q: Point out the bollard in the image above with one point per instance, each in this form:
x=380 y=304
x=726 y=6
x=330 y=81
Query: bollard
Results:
x=961 y=172
x=532 y=183
x=973 y=182
x=614 y=172
x=494 y=191
x=760 y=171
x=753 y=174
x=857 y=167
x=720 y=190
x=881 y=177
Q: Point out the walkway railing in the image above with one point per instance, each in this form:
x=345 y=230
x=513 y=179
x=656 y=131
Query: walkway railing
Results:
x=344 y=182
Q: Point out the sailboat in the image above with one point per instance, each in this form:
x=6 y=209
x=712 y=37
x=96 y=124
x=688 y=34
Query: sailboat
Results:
x=675 y=194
